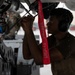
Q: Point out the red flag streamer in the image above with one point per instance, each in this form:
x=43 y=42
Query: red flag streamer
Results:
x=46 y=57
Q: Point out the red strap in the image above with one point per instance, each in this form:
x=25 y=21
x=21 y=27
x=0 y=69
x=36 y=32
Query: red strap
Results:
x=46 y=57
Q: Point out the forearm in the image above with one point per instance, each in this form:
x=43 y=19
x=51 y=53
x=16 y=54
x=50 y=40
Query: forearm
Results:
x=27 y=23
x=34 y=48
x=26 y=51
